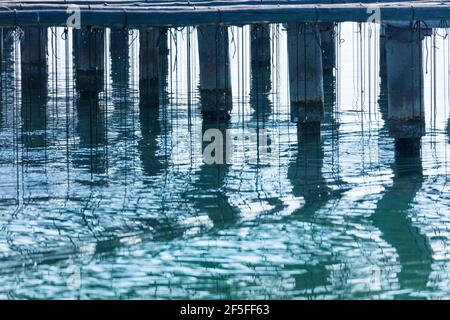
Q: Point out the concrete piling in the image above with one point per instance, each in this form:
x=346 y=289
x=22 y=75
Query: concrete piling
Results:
x=305 y=72
x=120 y=60
x=33 y=50
x=405 y=87
x=215 y=77
x=383 y=72
x=152 y=42
x=89 y=53
x=261 y=84
x=260 y=44
x=328 y=44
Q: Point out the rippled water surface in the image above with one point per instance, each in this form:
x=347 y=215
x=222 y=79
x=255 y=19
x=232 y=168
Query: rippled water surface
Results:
x=107 y=198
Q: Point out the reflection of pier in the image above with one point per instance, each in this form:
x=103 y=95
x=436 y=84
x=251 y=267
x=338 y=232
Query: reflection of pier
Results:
x=391 y=218
x=305 y=173
x=91 y=130
x=211 y=180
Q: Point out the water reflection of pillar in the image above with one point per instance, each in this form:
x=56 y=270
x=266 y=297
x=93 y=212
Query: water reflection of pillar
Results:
x=448 y=129
x=305 y=173
x=391 y=218
x=210 y=193
x=152 y=163
x=306 y=177
x=92 y=134
x=34 y=116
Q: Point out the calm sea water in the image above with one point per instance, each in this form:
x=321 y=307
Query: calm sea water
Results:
x=104 y=198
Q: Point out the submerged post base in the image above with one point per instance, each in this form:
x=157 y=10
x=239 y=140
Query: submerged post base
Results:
x=409 y=129
x=216 y=104
x=307 y=112
x=407 y=146
x=215 y=101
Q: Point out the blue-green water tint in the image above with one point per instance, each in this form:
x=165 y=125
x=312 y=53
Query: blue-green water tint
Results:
x=105 y=198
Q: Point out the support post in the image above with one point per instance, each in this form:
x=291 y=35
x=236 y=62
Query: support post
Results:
x=383 y=72
x=260 y=84
x=405 y=87
x=260 y=44
x=152 y=42
x=120 y=61
x=89 y=52
x=328 y=44
x=305 y=73
x=215 y=75
x=33 y=50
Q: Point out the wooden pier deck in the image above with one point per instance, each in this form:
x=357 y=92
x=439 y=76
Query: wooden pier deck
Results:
x=138 y=14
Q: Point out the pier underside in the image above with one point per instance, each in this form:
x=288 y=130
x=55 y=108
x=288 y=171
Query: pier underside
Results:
x=138 y=14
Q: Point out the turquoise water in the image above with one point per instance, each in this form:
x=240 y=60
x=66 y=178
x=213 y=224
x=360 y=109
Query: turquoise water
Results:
x=105 y=198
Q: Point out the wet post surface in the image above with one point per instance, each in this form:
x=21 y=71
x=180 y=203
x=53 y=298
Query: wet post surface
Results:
x=89 y=56
x=328 y=44
x=120 y=60
x=33 y=48
x=152 y=42
x=305 y=72
x=383 y=71
x=391 y=217
x=260 y=44
x=261 y=84
x=215 y=75
x=405 y=87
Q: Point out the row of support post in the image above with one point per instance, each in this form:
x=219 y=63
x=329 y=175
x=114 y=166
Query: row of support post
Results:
x=311 y=53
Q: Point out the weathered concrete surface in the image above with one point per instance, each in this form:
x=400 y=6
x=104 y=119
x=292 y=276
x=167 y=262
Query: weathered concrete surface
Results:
x=305 y=72
x=260 y=44
x=405 y=82
x=215 y=74
x=328 y=44
x=89 y=59
x=33 y=50
x=152 y=43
